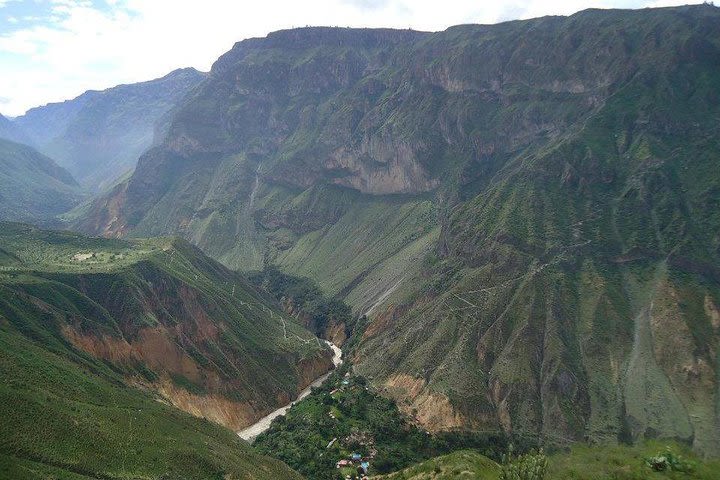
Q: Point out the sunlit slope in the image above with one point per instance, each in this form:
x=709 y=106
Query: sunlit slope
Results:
x=153 y=322
x=68 y=416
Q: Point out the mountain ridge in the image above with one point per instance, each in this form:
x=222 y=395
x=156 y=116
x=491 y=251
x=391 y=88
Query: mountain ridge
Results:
x=521 y=209
x=32 y=186
x=99 y=134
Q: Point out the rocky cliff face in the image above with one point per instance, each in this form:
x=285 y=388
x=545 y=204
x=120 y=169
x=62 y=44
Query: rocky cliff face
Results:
x=512 y=205
x=559 y=291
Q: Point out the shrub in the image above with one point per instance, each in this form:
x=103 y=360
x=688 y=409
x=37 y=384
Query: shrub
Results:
x=669 y=461
x=531 y=466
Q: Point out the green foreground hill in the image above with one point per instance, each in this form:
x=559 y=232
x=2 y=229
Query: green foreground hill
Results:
x=580 y=463
x=466 y=464
x=105 y=342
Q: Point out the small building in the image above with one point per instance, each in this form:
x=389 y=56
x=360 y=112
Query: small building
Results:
x=356 y=457
x=343 y=463
x=365 y=467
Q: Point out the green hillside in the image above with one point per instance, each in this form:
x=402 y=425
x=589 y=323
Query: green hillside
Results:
x=526 y=212
x=102 y=338
x=32 y=186
x=463 y=464
x=69 y=416
x=576 y=296
x=580 y=463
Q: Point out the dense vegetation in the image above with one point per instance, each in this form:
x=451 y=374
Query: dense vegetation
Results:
x=345 y=416
x=529 y=466
x=304 y=298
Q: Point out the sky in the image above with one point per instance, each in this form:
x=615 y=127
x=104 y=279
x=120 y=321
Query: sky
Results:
x=53 y=50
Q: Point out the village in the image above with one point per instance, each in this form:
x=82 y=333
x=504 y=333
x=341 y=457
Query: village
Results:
x=355 y=465
x=349 y=430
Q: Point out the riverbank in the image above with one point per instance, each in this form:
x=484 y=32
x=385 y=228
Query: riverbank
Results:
x=251 y=432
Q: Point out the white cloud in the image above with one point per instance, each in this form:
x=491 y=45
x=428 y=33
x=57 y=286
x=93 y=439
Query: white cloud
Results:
x=80 y=46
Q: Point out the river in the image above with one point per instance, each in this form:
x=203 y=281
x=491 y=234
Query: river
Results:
x=263 y=424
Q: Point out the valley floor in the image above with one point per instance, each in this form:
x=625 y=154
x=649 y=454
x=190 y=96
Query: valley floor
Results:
x=251 y=432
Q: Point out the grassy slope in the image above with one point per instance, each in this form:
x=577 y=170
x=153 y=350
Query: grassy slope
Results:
x=581 y=463
x=163 y=285
x=374 y=243
x=463 y=464
x=68 y=404
x=32 y=186
x=68 y=416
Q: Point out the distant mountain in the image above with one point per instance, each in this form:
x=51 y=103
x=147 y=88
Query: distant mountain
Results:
x=32 y=186
x=12 y=132
x=100 y=337
x=99 y=135
x=526 y=212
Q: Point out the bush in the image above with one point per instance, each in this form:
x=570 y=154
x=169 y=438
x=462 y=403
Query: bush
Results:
x=668 y=461
x=531 y=466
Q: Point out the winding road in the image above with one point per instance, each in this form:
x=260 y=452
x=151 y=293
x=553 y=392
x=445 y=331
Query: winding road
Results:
x=263 y=424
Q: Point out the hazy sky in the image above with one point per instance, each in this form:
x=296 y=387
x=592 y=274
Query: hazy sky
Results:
x=52 y=50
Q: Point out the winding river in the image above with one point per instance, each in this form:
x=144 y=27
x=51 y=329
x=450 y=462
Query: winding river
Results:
x=263 y=424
